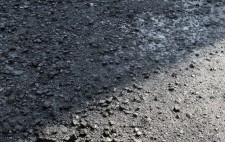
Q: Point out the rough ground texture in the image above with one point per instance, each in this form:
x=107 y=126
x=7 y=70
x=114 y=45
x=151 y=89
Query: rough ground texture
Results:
x=112 y=70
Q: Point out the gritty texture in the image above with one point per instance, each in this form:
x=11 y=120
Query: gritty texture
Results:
x=112 y=71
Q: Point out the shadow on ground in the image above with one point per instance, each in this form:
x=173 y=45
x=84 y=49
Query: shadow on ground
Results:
x=56 y=57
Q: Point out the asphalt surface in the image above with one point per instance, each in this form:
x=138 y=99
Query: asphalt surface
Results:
x=112 y=70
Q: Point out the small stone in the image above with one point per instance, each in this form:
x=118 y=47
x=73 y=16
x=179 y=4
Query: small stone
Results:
x=102 y=102
x=117 y=140
x=106 y=128
x=174 y=75
x=181 y=131
x=1 y=89
x=139 y=133
x=105 y=114
x=107 y=139
x=93 y=126
x=114 y=130
x=83 y=124
x=106 y=133
x=189 y=115
x=136 y=129
x=45 y=140
x=139 y=87
x=177 y=117
x=191 y=66
x=128 y=89
x=66 y=138
x=171 y=88
x=137 y=140
x=135 y=115
x=137 y=99
x=138 y=109
x=111 y=123
x=127 y=112
x=213 y=69
x=109 y=100
x=17 y=72
x=123 y=107
x=75 y=122
x=176 y=108
x=83 y=132
x=47 y=104
x=63 y=129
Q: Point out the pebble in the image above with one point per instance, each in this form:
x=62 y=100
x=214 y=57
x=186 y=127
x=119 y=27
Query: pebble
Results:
x=106 y=133
x=139 y=87
x=75 y=122
x=47 y=104
x=83 y=124
x=189 y=115
x=136 y=129
x=117 y=140
x=176 y=108
x=17 y=72
x=171 y=88
x=83 y=132
x=127 y=112
x=111 y=123
x=135 y=115
x=191 y=66
x=109 y=100
x=139 y=133
x=63 y=129
x=107 y=139
x=114 y=130
x=123 y=107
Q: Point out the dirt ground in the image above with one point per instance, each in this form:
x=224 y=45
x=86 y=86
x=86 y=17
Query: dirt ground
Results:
x=112 y=71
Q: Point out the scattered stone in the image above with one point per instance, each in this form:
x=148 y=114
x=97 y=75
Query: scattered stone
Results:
x=135 y=115
x=117 y=140
x=171 y=88
x=139 y=133
x=213 y=69
x=191 y=66
x=128 y=90
x=189 y=115
x=137 y=99
x=114 y=130
x=109 y=100
x=94 y=126
x=174 y=75
x=102 y=102
x=83 y=132
x=217 y=116
x=83 y=123
x=47 y=104
x=106 y=133
x=136 y=129
x=176 y=108
x=127 y=112
x=123 y=107
x=107 y=139
x=75 y=122
x=63 y=129
x=139 y=87
x=111 y=123
x=105 y=114
x=45 y=140
x=138 y=109
x=137 y=140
